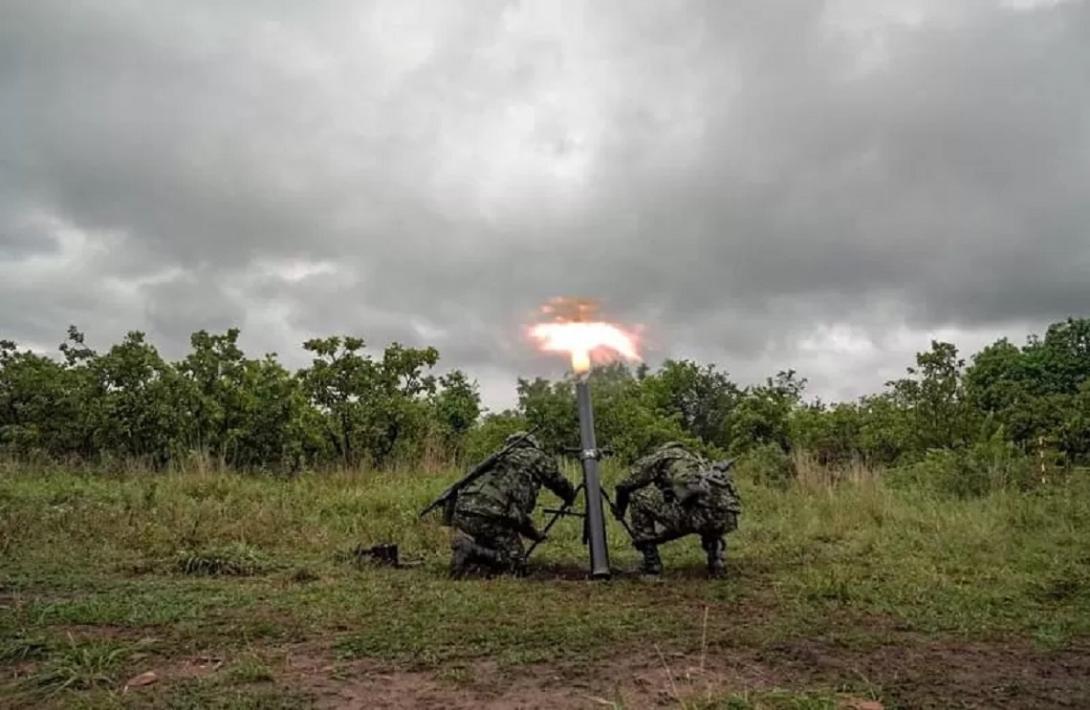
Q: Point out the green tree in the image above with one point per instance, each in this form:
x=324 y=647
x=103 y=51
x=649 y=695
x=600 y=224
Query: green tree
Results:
x=37 y=411
x=885 y=429
x=1061 y=362
x=457 y=405
x=396 y=410
x=276 y=427
x=217 y=369
x=831 y=434
x=138 y=404
x=490 y=433
x=762 y=414
x=371 y=408
x=1074 y=431
x=935 y=394
x=550 y=406
x=625 y=417
x=335 y=383
x=699 y=398
x=1035 y=393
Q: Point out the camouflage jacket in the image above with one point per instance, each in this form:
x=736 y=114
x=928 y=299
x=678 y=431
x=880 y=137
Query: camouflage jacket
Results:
x=509 y=490
x=688 y=478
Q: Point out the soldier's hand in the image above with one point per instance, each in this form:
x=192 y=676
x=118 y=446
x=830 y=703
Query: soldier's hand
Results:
x=621 y=498
x=537 y=535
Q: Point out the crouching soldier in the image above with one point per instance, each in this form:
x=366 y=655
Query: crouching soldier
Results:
x=674 y=493
x=491 y=514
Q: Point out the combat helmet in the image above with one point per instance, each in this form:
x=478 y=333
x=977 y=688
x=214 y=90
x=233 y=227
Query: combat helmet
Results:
x=669 y=445
x=651 y=448
x=526 y=439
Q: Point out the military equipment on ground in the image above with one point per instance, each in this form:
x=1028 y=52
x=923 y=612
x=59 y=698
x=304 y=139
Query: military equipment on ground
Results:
x=386 y=554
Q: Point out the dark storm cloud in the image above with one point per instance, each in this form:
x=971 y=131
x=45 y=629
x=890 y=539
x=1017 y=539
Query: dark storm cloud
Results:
x=761 y=184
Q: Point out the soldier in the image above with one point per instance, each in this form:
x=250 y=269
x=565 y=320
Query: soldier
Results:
x=689 y=496
x=491 y=513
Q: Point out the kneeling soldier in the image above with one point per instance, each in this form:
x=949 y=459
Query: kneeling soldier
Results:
x=492 y=513
x=690 y=496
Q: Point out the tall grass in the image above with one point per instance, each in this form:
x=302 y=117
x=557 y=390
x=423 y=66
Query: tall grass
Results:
x=92 y=562
x=844 y=539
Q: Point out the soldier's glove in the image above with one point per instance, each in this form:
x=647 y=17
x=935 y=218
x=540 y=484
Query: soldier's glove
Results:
x=724 y=465
x=620 y=504
x=569 y=495
x=526 y=527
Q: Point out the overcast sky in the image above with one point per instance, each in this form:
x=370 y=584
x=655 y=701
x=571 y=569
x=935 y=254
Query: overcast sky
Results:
x=763 y=185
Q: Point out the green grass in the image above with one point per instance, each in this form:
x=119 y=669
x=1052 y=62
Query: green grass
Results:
x=250 y=669
x=19 y=648
x=73 y=666
x=242 y=566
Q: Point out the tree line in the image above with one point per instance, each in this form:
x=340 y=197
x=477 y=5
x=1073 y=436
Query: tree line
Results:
x=129 y=403
x=1007 y=405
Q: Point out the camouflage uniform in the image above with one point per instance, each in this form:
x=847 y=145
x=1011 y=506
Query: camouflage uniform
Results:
x=492 y=512
x=690 y=496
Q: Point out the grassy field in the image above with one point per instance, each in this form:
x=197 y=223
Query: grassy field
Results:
x=219 y=590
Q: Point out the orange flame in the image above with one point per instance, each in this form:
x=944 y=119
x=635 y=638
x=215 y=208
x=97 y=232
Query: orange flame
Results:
x=581 y=338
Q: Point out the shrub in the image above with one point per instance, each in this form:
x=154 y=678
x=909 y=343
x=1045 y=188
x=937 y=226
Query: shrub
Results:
x=986 y=466
x=768 y=464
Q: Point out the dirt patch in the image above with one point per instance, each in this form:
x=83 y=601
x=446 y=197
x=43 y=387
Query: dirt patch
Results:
x=102 y=632
x=579 y=573
x=916 y=672
x=630 y=681
x=190 y=668
x=363 y=684
x=660 y=679
x=911 y=672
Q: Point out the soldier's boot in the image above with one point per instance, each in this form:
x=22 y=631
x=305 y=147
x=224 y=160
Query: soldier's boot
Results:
x=714 y=546
x=508 y=559
x=652 y=563
x=465 y=553
x=519 y=567
x=461 y=553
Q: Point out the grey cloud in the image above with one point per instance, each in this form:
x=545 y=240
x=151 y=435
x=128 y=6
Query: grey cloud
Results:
x=735 y=176
x=185 y=303
x=21 y=238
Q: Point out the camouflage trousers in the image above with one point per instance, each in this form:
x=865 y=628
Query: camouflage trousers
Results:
x=496 y=535
x=656 y=519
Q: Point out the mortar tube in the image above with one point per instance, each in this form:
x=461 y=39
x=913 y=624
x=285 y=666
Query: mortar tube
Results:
x=592 y=486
